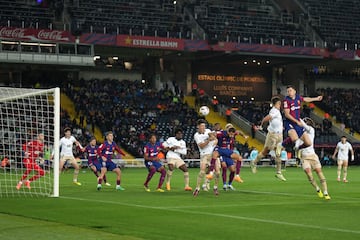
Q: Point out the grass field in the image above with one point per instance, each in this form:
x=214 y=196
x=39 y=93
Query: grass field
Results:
x=261 y=208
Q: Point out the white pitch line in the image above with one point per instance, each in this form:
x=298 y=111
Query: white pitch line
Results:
x=280 y=194
x=296 y=195
x=222 y=215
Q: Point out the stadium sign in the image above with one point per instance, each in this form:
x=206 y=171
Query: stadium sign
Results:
x=28 y=34
x=243 y=86
x=150 y=42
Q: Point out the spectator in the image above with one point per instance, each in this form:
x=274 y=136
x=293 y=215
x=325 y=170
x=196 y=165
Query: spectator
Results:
x=215 y=103
x=228 y=112
x=5 y=163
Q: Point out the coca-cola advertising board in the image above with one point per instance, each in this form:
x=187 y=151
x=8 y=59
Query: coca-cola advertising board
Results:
x=36 y=35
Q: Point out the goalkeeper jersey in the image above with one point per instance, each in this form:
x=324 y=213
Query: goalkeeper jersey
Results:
x=33 y=149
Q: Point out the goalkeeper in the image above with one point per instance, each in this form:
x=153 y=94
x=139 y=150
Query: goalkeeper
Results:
x=32 y=150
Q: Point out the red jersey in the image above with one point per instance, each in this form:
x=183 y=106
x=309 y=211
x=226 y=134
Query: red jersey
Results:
x=33 y=149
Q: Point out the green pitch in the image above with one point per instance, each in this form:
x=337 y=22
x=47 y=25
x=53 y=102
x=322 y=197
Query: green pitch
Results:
x=261 y=208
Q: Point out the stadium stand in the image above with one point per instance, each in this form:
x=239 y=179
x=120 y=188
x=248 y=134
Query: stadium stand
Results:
x=132 y=111
x=29 y=14
x=260 y=22
x=144 y=17
x=246 y=21
x=343 y=105
x=337 y=22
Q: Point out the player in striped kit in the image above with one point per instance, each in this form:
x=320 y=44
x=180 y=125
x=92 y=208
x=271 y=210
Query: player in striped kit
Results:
x=152 y=162
x=106 y=151
x=292 y=124
x=91 y=151
x=229 y=156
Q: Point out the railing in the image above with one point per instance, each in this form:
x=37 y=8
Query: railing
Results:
x=243 y=123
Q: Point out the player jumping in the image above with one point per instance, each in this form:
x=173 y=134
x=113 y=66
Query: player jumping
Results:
x=310 y=161
x=292 y=124
x=274 y=137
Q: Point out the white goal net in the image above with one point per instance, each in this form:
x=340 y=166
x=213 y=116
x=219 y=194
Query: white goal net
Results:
x=29 y=141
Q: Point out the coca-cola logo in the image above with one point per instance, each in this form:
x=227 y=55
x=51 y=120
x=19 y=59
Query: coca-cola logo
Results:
x=51 y=35
x=33 y=34
x=12 y=32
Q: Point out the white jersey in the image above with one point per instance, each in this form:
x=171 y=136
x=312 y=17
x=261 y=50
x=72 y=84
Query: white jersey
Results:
x=309 y=150
x=276 y=122
x=66 y=145
x=202 y=137
x=343 y=150
x=173 y=142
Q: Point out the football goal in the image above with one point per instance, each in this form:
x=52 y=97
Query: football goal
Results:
x=29 y=141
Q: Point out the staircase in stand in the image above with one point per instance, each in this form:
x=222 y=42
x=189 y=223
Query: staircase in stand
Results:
x=68 y=105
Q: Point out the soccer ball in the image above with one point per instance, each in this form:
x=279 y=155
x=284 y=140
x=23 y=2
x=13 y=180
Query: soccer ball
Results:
x=204 y=110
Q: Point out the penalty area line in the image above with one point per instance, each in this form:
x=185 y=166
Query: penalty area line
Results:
x=221 y=215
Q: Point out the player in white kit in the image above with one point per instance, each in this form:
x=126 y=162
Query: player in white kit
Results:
x=342 y=150
x=274 y=137
x=310 y=161
x=66 y=153
x=176 y=147
x=206 y=141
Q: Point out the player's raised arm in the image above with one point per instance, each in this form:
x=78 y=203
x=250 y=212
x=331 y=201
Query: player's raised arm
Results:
x=242 y=134
x=313 y=99
x=266 y=119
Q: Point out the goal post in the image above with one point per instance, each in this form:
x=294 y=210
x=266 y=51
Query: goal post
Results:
x=26 y=113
